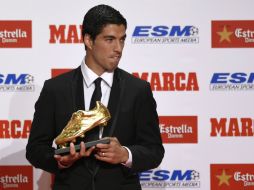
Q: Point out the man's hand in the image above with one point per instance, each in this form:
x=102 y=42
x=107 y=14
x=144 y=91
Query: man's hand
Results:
x=113 y=152
x=67 y=160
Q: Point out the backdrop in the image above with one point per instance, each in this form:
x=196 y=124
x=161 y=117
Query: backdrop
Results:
x=197 y=55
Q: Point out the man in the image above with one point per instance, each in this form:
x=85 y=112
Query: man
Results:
x=135 y=142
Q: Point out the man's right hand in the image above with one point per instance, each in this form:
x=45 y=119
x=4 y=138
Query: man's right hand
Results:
x=67 y=160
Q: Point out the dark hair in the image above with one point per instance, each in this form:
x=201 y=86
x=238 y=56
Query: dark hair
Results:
x=98 y=17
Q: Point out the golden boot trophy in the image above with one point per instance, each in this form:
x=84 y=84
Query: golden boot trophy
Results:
x=81 y=122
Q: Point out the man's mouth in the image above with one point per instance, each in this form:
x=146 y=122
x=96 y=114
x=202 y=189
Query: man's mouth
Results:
x=116 y=57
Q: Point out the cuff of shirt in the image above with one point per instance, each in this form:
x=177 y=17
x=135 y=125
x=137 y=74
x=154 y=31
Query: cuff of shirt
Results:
x=128 y=163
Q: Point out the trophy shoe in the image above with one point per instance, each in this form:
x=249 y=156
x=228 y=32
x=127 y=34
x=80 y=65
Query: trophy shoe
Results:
x=81 y=122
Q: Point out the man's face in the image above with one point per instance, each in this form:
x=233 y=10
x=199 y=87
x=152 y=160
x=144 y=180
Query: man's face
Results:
x=105 y=51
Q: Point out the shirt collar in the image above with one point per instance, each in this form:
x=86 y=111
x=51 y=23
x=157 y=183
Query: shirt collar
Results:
x=90 y=76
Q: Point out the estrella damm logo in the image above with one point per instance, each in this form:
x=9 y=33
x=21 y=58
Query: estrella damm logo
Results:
x=179 y=129
x=16 y=177
x=15 y=34
x=233 y=33
x=232 y=176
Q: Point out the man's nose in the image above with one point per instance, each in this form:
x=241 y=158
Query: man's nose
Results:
x=118 y=46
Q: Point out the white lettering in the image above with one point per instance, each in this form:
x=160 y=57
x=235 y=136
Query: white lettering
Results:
x=176 y=129
x=19 y=178
x=243 y=177
x=18 y=33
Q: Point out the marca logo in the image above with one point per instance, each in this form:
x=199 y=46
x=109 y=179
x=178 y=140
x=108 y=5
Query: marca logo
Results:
x=16 y=83
x=16 y=177
x=233 y=34
x=15 y=34
x=56 y=72
x=179 y=129
x=170 y=179
x=170 y=81
x=232 y=176
x=165 y=34
x=229 y=127
x=15 y=129
x=70 y=34
x=232 y=81
x=159 y=81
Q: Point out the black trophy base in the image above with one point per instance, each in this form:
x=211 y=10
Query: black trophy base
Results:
x=64 y=151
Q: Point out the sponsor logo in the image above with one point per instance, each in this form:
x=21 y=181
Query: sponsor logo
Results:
x=15 y=129
x=233 y=34
x=56 y=72
x=232 y=82
x=179 y=129
x=165 y=35
x=232 y=176
x=170 y=81
x=159 y=81
x=229 y=127
x=16 y=83
x=16 y=177
x=65 y=34
x=170 y=179
x=15 y=34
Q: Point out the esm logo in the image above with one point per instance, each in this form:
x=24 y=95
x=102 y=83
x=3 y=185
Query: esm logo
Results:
x=14 y=82
x=232 y=81
x=170 y=179
x=165 y=34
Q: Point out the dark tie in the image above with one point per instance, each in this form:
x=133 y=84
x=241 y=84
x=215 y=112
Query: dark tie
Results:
x=94 y=133
x=96 y=93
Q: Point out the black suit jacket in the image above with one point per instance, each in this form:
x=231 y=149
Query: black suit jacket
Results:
x=134 y=122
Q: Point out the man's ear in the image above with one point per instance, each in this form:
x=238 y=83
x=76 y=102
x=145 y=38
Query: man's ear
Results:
x=88 y=41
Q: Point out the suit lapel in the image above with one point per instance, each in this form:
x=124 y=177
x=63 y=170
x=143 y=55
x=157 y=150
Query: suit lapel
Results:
x=114 y=102
x=78 y=91
x=115 y=99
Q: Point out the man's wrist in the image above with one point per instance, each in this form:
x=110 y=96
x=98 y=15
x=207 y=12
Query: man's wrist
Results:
x=127 y=162
x=126 y=155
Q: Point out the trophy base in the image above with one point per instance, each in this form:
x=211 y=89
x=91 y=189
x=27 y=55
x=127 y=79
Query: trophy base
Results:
x=64 y=151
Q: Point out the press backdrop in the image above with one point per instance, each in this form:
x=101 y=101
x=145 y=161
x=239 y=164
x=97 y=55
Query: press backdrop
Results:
x=197 y=55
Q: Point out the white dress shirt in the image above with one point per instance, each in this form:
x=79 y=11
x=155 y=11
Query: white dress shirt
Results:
x=88 y=83
x=106 y=84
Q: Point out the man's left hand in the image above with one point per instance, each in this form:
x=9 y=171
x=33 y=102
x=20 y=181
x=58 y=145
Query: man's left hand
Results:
x=113 y=152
